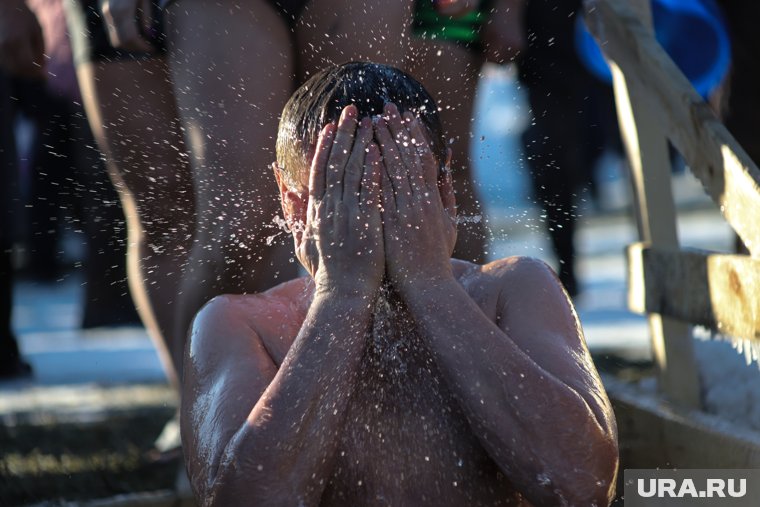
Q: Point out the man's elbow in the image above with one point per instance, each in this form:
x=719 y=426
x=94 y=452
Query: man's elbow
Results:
x=604 y=473
x=584 y=477
x=593 y=478
x=595 y=471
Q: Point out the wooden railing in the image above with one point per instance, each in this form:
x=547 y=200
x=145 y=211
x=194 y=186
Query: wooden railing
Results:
x=674 y=287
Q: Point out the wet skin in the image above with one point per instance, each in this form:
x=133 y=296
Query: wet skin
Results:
x=393 y=374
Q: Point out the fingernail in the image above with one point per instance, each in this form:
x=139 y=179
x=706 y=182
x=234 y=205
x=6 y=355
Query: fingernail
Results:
x=349 y=110
x=366 y=122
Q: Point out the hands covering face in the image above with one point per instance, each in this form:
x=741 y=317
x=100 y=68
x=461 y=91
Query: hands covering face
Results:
x=342 y=245
x=370 y=215
x=419 y=230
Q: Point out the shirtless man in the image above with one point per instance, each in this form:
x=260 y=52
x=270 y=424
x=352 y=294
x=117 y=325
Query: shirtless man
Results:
x=392 y=374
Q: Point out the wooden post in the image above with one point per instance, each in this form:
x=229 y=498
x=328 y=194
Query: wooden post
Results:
x=647 y=151
x=728 y=175
x=718 y=291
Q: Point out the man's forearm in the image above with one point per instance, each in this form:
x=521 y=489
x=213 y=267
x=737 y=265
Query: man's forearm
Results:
x=530 y=422
x=284 y=450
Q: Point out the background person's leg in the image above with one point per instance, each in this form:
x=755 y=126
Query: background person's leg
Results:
x=232 y=68
x=131 y=111
x=107 y=299
x=69 y=192
x=554 y=148
x=48 y=192
x=337 y=31
x=11 y=362
x=450 y=73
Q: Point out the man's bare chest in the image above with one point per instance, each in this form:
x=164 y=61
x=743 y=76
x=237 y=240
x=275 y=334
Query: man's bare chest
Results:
x=406 y=441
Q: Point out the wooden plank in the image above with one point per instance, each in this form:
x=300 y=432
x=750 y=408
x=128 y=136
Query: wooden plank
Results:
x=721 y=292
x=653 y=433
x=647 y=152
x=650 y=170
x=724 y=168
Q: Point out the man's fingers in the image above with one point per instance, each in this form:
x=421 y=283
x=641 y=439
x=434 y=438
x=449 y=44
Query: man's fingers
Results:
x=391 y=156
x=396 y=125
x=430 y=166
x=388 y=209
x=352 y=179
x=370 y=186
x=319 y=162
x=417 y=170
x=339 y=153
x=401 y=135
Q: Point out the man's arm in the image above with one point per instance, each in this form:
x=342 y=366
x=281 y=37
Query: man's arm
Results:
x=281 y=451
x=527 y=386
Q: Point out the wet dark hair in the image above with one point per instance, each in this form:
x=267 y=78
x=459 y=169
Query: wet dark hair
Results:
x=369 y=86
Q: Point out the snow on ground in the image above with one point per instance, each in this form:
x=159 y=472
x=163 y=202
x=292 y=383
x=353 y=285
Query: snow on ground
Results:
x=730 y=387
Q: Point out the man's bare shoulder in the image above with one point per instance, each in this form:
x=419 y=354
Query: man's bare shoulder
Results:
x=272 y=317
x=509 y=274
x=286 y=297
x=516 y=290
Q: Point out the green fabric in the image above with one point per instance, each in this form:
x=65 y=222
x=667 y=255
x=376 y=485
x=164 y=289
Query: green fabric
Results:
x=430 y=25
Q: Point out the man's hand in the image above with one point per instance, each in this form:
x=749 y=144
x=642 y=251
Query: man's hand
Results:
x=419 y=227
x=123 y=19
x=342 y=244
x=21 y=42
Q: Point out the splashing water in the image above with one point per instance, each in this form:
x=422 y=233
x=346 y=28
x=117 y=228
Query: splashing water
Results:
x=284 y=227
x=387 y=344
x=469 y=219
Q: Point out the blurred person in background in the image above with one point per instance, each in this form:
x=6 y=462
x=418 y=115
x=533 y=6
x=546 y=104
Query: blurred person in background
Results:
x=450 y=43
x=184 y=99
x=67 y=187
x=21 y=48
x=62 y=173
x=573 y=121
x=165 y=80
x=739 y=94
